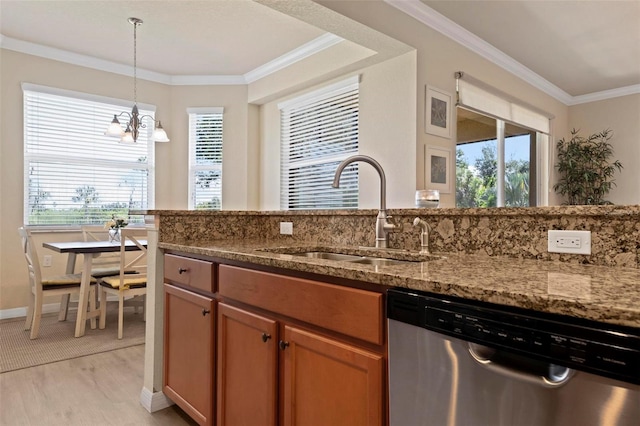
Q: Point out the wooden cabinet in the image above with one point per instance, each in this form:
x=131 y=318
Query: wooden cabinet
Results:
x=247 y=368
x=327 y=382
x=189 y=343
x=270 y=360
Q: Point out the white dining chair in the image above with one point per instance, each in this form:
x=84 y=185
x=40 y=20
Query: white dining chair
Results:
x=130 y=288
x=107 y=263
x=41 y=287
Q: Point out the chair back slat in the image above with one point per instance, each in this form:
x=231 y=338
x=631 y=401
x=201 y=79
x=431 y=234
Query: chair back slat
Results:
x=105 y=261
x=133 y=260
x=31 y=255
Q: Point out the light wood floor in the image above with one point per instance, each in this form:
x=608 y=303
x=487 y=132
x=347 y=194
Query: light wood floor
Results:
x=102 y=389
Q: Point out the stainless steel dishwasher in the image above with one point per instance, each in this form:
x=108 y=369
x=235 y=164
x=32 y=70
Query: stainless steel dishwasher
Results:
x=457 y=362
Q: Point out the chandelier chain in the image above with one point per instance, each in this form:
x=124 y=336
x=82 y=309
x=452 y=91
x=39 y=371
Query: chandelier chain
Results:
x=135 y=66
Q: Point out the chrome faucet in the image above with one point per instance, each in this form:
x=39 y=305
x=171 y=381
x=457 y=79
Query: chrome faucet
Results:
x=424 y=235
x=383 y=225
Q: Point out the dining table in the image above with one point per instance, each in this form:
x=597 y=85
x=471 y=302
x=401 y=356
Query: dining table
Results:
x=89 y=250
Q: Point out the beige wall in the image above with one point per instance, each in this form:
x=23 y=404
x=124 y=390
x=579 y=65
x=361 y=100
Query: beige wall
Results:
x=240 y=150
x=438 y=58
x=386 y=133
x=622 y=115
x=236 y=149
x=392 y=127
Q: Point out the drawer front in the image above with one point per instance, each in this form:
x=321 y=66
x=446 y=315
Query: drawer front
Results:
x=352 y=312
x=189 y=272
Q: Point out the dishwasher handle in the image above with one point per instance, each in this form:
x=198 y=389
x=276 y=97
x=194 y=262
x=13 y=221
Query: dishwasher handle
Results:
x=554 y=377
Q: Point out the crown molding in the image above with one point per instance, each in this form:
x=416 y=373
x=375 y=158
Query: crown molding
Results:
x=606 y=94
x=428 y=16
x=308 y=49
x=314 y=46
x=205 y=80
x=78 y=59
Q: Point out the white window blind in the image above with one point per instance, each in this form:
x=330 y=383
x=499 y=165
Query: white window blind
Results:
x=319 y=130
x=73 y=173
x=477 y=96
x=205 y=158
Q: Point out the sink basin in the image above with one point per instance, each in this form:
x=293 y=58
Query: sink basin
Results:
x=328 y=256
x=378 y=261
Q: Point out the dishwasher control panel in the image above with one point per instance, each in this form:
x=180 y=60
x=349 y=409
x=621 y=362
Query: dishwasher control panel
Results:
x=584 y=345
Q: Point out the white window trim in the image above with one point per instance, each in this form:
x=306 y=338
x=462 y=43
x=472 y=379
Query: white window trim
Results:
x=192 y=147
x=82 y=96
x=327 y=92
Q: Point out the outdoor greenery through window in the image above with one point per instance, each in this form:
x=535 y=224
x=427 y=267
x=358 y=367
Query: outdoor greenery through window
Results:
x=477 y=153
x=318 y=131
x=205 y=158
x=73 y=173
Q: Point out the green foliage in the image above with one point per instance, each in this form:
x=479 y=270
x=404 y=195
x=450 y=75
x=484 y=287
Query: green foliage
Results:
x=586 y=172
x=214 y=204
x=476 y=186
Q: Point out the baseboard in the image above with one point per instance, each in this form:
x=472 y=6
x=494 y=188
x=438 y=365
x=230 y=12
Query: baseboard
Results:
x=154 y=401
x=22 y=312
x=46 y=309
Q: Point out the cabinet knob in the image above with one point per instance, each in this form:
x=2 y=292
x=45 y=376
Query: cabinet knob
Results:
x=205 y=311
x=182 y=270
x=283 y=345
x=265 y=337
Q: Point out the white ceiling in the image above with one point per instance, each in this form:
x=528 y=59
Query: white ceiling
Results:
x=230 y=37
x=578 y=47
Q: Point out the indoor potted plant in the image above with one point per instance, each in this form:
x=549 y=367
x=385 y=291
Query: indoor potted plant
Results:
x=114 y=225
x=585 y=169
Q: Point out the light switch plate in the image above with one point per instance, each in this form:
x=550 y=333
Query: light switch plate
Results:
x=286 y=228
x=576 y=242
x=47 y=260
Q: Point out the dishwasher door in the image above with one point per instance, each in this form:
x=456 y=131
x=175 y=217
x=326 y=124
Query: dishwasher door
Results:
x=435 y=380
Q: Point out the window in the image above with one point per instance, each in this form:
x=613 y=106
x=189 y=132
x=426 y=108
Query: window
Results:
x=319 y=130
x=73 y=173
x=205 y=158
x=502 y=148
x=478 y=152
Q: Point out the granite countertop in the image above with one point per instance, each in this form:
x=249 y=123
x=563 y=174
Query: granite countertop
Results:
x=605 y=294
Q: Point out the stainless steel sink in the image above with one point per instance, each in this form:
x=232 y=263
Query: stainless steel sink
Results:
x=328 y=256
x=378 y=261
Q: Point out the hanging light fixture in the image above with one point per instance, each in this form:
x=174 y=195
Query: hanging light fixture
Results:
x=130 y=135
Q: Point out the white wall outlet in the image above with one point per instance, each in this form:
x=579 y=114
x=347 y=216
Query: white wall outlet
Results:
x=46 y=260
x=286 y=228
x=576 y=242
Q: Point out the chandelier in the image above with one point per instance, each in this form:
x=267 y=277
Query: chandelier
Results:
x=135 y=123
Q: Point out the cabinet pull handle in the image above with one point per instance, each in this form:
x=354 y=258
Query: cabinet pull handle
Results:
x=182 y=270
x=283 y=345
x=205 y=311
x=265 y=337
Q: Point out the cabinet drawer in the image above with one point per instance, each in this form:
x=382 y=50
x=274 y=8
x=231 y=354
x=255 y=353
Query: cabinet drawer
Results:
x=193 y=273
x=352 y=312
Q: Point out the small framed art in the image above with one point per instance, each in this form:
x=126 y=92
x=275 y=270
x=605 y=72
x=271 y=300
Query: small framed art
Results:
x=438 y=112
x=438 y=169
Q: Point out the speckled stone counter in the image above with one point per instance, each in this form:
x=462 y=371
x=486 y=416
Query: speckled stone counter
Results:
x=599 y=293
x=511 y=232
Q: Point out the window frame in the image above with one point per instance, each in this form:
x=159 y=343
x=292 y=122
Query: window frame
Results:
x=193 y=167
x=33 y=146
x=293 y=161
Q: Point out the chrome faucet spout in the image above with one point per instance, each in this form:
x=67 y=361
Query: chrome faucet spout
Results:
x=383 y=225
x=375 y=164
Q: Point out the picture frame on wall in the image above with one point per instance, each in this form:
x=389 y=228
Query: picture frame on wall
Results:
x=438 y=112
x=438 y=169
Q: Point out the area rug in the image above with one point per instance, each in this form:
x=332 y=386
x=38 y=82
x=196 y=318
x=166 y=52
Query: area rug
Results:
x=55 y=341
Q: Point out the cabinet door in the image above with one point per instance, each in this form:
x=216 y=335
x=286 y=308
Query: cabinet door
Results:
x=247 y=368
x=330 y=383
x=188 y=352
